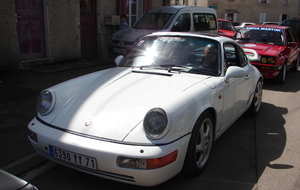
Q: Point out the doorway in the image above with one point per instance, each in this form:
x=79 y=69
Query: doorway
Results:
x=88 y=28
x=30 y=28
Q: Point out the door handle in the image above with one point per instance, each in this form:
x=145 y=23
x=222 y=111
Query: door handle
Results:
x=247 y=76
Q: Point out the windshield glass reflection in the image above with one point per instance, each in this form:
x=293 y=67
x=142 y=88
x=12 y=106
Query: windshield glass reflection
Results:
x=154 y=21
x=187 y=54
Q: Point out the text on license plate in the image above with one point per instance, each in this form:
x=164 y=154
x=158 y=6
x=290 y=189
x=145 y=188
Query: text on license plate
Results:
x=71 y=157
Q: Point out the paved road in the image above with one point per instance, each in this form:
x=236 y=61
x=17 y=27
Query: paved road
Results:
x=18 y=92
x=255 y=153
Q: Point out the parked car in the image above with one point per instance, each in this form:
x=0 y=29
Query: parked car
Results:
x=270 y=23
x=277 y=46
x=290 y=22
x=154 y=115
x=243 y=24
x=226 y=28
x=166 y=18
x=12 y=182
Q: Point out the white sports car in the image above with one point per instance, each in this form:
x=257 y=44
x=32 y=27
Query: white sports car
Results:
x=154 y=115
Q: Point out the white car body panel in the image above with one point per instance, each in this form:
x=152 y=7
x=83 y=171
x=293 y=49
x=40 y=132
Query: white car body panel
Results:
x=101 y=115
x=106 y=154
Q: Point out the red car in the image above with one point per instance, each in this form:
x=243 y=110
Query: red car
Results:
x=277 y=48
x=226 y=28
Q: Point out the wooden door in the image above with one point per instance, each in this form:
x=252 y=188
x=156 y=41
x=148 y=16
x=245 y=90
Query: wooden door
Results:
x=30 y=25
x=88 y=28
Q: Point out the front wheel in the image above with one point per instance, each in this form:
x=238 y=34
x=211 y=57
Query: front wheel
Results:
x=282 y=75
x=200 y=145
x=257 y=99
x=296 y=66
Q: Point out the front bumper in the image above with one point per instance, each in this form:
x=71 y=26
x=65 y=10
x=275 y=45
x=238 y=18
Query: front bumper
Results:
x=268 y=71
x=106 y=154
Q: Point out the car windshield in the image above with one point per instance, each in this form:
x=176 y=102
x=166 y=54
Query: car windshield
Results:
x=226 y=26
x=154 y=21
x=263 y=35
x=176 y=53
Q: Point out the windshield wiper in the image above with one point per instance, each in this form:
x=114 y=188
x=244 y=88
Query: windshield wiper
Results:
x=180 y=68
x=262 y=40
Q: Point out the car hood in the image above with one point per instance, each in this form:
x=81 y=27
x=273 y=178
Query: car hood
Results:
x=112 y=107
x=263 y=49
x=227 y=33
x=131 y=34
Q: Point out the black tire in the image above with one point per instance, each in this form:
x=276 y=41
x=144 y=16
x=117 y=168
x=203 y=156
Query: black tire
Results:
x=282 y=75
x=257 y=99
x=200 y=145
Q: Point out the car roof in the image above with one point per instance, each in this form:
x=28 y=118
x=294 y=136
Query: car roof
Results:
x=224 y=20
x=269 y=26
x=248 y=23
x=175 y=9
x=190 y=34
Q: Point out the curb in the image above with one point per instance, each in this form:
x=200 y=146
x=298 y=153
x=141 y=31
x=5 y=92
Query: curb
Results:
x=21 y=166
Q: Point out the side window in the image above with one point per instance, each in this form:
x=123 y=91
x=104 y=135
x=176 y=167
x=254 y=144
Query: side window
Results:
x=234 y=56
x=242 y=57
x=204 y=22
x=183 y=23
x=290 y=36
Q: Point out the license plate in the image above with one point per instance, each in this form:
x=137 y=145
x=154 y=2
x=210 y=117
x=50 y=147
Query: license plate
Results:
x=74 y=158
x=120 y=51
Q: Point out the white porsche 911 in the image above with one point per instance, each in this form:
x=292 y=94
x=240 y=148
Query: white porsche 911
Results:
x=156 y=114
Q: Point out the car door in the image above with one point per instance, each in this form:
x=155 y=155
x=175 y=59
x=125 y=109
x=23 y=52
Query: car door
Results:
x=236 y=91
x=292 y=46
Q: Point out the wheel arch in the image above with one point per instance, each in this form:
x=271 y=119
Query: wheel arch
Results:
x=213 y=113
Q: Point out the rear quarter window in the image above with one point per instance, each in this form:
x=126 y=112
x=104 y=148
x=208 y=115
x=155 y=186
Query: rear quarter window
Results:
x=204 y=21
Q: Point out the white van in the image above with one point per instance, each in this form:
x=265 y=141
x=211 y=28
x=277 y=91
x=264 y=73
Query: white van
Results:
x=166 y=18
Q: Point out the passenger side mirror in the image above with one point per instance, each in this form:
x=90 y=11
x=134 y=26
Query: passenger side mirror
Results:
x=119 y=59
x=234 y=72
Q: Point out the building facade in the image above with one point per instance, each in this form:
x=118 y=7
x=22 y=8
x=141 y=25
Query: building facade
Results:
x=35 y=32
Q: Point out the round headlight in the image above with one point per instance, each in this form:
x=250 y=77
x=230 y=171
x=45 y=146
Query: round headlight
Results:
x=264 y=60
x=155 y=123
x=45 y=102
x=271 y=60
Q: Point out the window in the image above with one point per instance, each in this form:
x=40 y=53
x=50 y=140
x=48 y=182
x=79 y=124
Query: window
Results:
x=154 y=21
x=264 y=1
x=86 y=7
x=132 y=12
x=262 y=17
x=285 y=2
x=183 y=23
x=290 y=36
x=204 y=22
x=234 y=56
